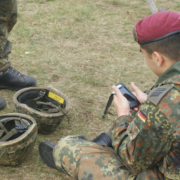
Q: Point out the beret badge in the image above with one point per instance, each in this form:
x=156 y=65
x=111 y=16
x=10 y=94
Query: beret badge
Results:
x=135 y=35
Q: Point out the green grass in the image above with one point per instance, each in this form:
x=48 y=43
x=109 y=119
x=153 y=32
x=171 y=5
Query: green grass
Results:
x=82 y=48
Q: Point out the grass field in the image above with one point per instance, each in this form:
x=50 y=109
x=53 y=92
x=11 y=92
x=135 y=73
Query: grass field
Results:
x=82 y=48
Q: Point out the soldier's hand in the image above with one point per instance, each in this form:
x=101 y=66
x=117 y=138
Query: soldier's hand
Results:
x=120 y=102
x=138 y=93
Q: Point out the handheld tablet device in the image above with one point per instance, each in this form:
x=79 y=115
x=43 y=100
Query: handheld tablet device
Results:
x=133 y=101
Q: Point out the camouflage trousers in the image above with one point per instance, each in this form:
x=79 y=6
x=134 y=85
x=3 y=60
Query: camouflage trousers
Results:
x=85 y=160
x=8 y=18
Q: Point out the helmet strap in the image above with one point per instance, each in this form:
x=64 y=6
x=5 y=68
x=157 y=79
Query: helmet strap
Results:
x=9 y=135
x=47 y=107
x=41 y=95
x=3 y=128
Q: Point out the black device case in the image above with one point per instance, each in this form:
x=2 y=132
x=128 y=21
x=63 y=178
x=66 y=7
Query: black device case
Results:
x=133 y=101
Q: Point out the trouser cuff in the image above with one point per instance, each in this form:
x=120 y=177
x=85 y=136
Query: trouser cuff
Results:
x=109 y=133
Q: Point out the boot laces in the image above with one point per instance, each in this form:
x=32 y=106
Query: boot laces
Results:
x=15 y=72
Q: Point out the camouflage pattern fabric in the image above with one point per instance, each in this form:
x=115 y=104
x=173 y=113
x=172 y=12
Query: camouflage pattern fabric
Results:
x=86 y=160
x=146 y=145
x=8 y=18
x=82 y=159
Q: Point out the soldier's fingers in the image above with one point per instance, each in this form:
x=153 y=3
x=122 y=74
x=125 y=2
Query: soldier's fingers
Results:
x=134 y=93
x=135 y=88
x=135 y=109
x=117 y=91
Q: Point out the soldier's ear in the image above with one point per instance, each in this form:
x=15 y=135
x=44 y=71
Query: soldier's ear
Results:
x=158 y=58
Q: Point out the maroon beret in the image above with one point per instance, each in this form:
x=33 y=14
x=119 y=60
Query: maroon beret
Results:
x=157 y=26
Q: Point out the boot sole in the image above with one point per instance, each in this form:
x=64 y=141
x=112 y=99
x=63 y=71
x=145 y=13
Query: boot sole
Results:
x=46 y=153
x=12 y=88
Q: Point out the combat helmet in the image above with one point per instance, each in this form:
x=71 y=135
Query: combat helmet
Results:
x=47 y=106
x=18 y=134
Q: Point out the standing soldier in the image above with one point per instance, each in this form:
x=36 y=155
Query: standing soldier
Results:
x=142 y=146
x=10 y=78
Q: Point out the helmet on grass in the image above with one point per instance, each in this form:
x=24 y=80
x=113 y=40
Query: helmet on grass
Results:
x=47 y=106
x=18 y=134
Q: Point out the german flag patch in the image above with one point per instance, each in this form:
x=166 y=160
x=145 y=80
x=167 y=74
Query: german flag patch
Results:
x=142 y=116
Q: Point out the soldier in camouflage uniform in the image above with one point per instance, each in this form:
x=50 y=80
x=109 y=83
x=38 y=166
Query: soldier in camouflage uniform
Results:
x=10 y=78
x=145 y=144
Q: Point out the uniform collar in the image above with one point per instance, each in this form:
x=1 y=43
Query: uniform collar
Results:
x=171 y=72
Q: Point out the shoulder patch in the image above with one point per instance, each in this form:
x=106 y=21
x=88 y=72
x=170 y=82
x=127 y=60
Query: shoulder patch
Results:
x=142 y=116
x=157 y=93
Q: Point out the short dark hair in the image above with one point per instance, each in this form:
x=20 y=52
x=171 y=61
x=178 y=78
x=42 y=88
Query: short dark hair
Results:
x=170 y=47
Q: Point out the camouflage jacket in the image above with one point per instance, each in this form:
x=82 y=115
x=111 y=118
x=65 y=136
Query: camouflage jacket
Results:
x=152 y=136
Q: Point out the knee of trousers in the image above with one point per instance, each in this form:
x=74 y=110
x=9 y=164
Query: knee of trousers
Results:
x=65 y=146
x=63 y=142
x=60 y=151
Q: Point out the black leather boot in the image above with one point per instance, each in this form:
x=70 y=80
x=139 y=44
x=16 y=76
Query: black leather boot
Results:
x=14 y=80
x=46 y=153
x=2 y=103
x=103 y=139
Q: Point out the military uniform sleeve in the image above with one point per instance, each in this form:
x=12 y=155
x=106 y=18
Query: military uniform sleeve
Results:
x=145 y=141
